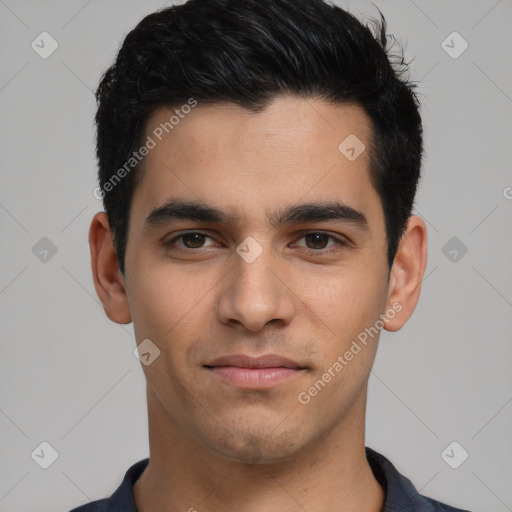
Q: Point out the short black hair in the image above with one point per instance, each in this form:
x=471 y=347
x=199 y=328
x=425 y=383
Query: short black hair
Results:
x=248 y=52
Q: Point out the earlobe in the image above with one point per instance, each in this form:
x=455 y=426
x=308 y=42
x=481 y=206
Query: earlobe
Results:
x=107 y=276
x=407 y=273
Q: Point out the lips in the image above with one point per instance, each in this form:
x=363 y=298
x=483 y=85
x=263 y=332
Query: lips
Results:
x=254 y=372
x=265 y=361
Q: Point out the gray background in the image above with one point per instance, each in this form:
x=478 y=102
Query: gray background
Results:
x=68 y=375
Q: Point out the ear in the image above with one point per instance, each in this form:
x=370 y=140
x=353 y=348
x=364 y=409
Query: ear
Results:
x=108 y=280
x=407 y=273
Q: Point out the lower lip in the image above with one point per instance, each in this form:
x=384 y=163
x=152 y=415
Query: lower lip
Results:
x=254 y=378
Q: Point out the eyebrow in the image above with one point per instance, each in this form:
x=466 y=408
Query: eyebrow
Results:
x=318 y=212
x=178 y=209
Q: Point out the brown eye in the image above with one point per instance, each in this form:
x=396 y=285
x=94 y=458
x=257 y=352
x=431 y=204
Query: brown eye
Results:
x=321 y=244
x=317 y=240
x=190 y=242
x=193 y=240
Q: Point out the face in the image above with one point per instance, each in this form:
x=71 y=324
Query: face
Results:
x=288 y=258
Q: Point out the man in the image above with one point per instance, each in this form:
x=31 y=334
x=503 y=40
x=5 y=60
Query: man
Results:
x=258 y=162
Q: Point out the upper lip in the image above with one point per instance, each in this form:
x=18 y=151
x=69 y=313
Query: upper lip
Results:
x=245 y=361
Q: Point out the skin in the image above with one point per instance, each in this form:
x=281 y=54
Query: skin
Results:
x=214 y=446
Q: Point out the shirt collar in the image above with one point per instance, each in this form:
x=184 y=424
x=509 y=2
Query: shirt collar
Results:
x=401 y=495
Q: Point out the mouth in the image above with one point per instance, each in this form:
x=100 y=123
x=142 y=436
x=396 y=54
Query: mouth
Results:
x=249 y=372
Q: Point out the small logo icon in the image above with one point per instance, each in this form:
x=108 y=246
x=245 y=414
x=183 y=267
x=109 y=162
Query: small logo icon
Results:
x=454 y=455
x=249 y=249
x=45 y=455
x=454 y=249
x=454 y=45
x=146 y=352
x=507 y=192
x=352 y=147
x=44 y=45
x=44 y=250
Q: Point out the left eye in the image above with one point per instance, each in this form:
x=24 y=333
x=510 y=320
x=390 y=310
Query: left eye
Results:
x=318 y=241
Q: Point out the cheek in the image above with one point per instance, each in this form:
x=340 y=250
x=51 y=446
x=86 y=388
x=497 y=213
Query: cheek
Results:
x=161 y=299
x=345 y=302
x=347 y=307
x=166 y=312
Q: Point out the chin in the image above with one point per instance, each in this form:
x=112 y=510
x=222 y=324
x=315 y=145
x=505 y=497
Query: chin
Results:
x=259 y=445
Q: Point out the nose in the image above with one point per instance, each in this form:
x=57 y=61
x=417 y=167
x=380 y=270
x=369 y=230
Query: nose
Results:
x=256 y=293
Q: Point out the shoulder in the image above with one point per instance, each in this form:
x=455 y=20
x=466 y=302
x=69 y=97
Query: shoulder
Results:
x=94 y=506
x=122 y=500
x=401 y=495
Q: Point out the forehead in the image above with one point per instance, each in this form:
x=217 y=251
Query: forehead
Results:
x=295 y=149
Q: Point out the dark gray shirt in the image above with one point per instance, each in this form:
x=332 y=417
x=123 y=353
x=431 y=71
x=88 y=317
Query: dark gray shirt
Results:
x=401 y=496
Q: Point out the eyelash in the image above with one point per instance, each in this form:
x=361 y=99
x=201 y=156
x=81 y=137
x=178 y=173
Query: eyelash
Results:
x=317 y=252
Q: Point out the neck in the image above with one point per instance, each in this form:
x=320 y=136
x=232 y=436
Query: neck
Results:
x=331 y=473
